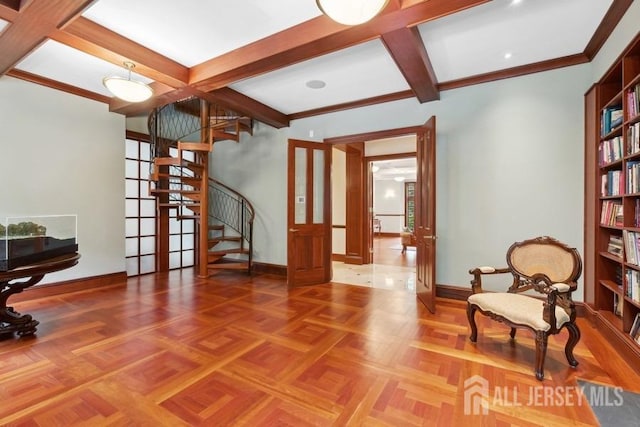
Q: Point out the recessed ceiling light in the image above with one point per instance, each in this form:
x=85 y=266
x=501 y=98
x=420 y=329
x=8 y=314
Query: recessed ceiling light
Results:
x=399 y=178
x=315 y=84
x=514 y=2
x=507 y=55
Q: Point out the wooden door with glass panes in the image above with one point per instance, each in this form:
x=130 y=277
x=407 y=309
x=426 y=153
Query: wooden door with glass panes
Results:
x=308 y=213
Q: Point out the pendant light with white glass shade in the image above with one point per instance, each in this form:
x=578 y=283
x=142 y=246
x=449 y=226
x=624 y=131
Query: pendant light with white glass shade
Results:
x=351 y=12
x=127 y=89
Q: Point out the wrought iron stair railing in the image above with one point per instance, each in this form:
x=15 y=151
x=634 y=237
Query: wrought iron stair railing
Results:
x=232 y=209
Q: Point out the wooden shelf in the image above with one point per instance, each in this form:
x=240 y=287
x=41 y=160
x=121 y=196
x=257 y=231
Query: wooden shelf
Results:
x=614 y=320
x=603 y=104
x=612 y=286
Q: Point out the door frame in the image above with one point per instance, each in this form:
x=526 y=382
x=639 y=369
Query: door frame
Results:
x=362 y=224
x=368 y=189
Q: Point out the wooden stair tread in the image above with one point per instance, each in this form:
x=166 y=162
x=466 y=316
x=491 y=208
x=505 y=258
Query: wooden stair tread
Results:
x=228 y=265
x=178 y=204
x=180 y=217
x=225 y=239
x=168 y=190
x=228 y=251
x=225 y=135
x=194 y=146
x=173 y=161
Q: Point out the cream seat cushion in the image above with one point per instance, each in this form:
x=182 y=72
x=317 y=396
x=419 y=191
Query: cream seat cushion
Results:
x=517 y=308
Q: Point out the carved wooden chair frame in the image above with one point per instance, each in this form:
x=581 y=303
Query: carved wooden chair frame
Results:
x=549 y=267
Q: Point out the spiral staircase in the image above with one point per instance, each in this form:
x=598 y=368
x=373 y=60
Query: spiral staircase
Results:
x=183 y=135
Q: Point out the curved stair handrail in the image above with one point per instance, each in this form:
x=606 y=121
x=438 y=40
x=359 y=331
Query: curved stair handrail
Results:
x=234 y=210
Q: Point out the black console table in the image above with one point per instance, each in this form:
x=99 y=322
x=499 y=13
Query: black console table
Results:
x=23 y=324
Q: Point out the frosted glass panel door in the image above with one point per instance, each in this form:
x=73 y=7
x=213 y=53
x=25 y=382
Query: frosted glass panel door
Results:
x=301 y=186
x=140 y=210
x=318 y=186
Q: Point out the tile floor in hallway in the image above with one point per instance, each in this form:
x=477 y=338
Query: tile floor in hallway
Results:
x=391 y=268
x=375 y=276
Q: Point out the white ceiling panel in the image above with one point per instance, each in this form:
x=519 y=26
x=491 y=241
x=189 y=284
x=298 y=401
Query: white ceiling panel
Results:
x=191 y=32
x=67 y=65
x=359 y=72
x=475 y=41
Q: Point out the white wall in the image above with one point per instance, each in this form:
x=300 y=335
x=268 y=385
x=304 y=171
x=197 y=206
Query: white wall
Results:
x=63 y=154
x=388 y=204
x=256 y=167
x=395 y=145
x=138 y=124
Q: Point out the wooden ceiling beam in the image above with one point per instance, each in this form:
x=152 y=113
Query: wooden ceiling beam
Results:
x=522 y=70
x=240 y=103
x=390 y=97
x=96 y=40
x=316 y=37
x=11 y=4
x=407 y=50
x=31 y=27
x=8 y=10
x=54 y=84
x=225 y=97
x=611 y=19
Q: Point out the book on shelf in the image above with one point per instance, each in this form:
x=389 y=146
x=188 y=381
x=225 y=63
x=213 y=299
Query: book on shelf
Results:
x=610 y=150
x=612 y=183
x=616 y=118
x=633 y=138
x=618 y=304
x=633 y=106
x=631 y=246
x=633 y=172
x=615 y=246
x=618 y=279
x=611 y=118
x=632 y=281
x=612 y=213
x=635 y=329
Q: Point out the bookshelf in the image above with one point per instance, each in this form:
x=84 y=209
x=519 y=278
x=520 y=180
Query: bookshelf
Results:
x=612 y=202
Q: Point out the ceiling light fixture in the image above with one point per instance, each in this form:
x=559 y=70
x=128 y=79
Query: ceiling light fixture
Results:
x=399 y=178
x=375 y=168
x=351 y=12
x=127 y=89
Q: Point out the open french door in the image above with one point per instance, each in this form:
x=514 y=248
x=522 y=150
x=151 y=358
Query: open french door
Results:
x=308 y=213
x=425 y=219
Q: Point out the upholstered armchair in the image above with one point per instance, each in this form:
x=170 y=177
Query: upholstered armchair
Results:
x=407 y=238
x=550 y=269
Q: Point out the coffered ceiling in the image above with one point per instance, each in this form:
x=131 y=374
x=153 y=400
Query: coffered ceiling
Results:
x=260 y=57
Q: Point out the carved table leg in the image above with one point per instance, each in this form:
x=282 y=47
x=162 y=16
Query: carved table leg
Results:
x=471 y=311
x=10 y=320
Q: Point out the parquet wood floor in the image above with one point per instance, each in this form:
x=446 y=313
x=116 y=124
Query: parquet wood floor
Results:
x=387 y=250
x=174 y=350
